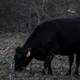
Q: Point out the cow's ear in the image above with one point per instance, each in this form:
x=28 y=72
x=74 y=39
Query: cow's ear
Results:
x=18 y=49
x=28 y=53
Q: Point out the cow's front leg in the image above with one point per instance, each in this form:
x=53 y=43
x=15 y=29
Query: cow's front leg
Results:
x=47 y=64
x=77 y=64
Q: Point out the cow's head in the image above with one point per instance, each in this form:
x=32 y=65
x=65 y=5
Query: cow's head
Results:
x=22 y=58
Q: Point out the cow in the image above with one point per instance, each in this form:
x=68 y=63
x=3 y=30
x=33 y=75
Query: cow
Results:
x=60 y=35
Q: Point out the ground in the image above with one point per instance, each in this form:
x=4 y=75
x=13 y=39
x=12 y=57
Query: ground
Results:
x=8 y=43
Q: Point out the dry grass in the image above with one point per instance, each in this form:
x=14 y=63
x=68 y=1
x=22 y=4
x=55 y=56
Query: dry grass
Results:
x=8 y=43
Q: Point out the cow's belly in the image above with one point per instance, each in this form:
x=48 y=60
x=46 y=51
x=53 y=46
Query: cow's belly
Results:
x=41 y=55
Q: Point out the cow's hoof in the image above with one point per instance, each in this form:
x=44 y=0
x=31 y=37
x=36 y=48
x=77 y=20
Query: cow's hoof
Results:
x=20 y=69
x=50 y=72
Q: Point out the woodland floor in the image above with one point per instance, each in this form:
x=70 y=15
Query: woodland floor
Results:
x=8 y=43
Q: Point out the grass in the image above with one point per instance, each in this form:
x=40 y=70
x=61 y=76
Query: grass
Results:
x=8 y=43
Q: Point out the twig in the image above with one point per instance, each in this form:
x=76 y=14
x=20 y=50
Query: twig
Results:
x=7 y=48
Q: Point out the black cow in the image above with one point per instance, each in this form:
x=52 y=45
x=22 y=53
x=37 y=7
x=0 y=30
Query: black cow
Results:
x=61 y=35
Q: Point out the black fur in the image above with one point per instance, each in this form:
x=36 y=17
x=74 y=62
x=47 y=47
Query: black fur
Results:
x=62 y=35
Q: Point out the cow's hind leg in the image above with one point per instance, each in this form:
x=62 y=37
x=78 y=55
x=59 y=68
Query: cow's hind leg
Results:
x=49 y=63
x=77 y=64
x=70 y=62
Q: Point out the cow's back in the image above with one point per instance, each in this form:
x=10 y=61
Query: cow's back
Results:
x=68 y=32
x=57 y=33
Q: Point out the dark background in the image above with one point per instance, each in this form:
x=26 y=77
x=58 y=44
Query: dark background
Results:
x=24 y=15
